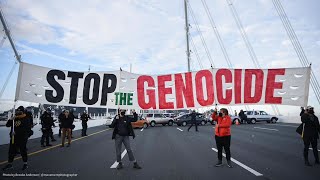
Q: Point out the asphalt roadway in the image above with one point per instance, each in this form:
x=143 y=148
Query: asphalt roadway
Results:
x=259 y=151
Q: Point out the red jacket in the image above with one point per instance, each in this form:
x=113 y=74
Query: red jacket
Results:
x=223 y=125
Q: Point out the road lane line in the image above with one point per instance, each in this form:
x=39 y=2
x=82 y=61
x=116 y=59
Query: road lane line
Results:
x=242 y=165
x=312 y=149
x=179 y=129
x=142 y=129
x=115 y=164
x=58 y=145
x=282 y=125
x=266 y=128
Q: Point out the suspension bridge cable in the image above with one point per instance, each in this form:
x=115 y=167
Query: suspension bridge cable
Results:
x=196 y=52
x=201 y=36
x=297 y=46
x=247 y=43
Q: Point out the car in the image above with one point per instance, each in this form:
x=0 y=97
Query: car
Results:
x=140 y=123
x=258 y=116
x=185 y=119
x=154 y=119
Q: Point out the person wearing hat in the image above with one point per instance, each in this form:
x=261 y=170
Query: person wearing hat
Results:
x=121 y=132
x=310 y=134
x=84 y=118
x=47 y=123
x=19 y=134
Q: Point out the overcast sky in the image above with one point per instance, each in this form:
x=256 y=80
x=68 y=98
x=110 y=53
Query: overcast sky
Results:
x=150 y=34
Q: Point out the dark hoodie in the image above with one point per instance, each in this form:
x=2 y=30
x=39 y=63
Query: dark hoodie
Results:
x=22 y=126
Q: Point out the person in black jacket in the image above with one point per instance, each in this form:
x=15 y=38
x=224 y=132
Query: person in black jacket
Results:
x=193 y=120
x=310 y=134
x=121 y=132
x=18 y=137
x=47 y=123
x=84 y=118
x=66 y=125
x=243 y=116
x=302 y=111
x=59 y=119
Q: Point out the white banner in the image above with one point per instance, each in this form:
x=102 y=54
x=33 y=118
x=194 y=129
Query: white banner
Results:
x=121 y=89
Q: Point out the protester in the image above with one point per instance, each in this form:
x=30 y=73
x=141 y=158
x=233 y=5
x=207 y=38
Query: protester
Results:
x=66 y=125
x=121 y=132
x=71 y=113
x=61 y=115
x=302 y=111
x=310 y=134
x=84 y=118
x=223 y=136
x=18 y=137
x=243 y=116
x=135 y=115
x=193 y=120
x=47 y=123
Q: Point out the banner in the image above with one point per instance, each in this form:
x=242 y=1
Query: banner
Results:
x=121 y=89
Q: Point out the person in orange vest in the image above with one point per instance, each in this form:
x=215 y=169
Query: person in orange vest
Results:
x=223 y=135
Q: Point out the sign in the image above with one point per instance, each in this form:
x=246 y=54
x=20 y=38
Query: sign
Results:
x=121 y=89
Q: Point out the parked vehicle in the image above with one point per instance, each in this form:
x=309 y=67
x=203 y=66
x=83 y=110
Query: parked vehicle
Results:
x=154 y=119
x=258 y=116
x=186 y=119
x=140 y=123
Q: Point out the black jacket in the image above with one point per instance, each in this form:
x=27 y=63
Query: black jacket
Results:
x=22 y=126
x=193 y=117
x=85 y=117
x=66 y=122
x=46 y=120
x=114 y=125
x=311 y=127
x=302 y=112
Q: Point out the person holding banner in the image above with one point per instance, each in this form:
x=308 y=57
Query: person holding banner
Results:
x=121 y=132
x=19 y=134
x=66 y=125
x=223 y=136
x=310 y=134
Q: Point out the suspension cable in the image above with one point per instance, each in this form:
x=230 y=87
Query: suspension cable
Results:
x=196 y=52
x=297 y=46
x=201 y=36
x=248 y=44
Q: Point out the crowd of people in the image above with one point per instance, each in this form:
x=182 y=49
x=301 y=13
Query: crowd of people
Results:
x=21 y=129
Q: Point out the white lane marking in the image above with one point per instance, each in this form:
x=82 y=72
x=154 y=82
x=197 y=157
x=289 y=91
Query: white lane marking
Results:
x=142 y=129
x=312 y=149
x=179 y=129
x=282 y=125
x=266 y=128
x=256 y=173
x=115 y=164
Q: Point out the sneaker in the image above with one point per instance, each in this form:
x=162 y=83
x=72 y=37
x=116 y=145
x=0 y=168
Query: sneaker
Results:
x=49 y=145
x=24 y=167
x=42 y=145
x=53 y=140
x=219 y=164
x=229 y=164
x=68 y=145
x=136 y=166
x=7 y=167
x=120 y=166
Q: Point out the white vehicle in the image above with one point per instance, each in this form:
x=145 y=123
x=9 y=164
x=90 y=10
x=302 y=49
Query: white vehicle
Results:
x=154 y=119
x=257 y=116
